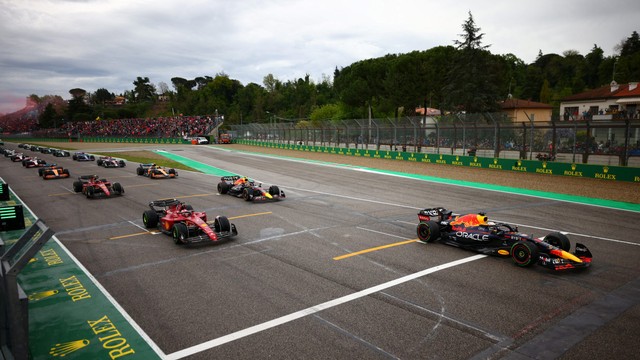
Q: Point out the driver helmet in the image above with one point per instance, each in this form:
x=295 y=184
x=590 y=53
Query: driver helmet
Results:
x=483 y=220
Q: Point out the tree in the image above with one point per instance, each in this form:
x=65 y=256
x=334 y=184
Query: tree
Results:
x=631 y=45
x=102 y=95
x=78 y=109
x=163 y=88
x=471 y=37
x=473 y=82
x=179 y=83
x=143 y=89
x=47 y=118
x=593 y=61
x=77 y=92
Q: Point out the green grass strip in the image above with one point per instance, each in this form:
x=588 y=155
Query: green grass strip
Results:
x=612 y=204
x=204 y=168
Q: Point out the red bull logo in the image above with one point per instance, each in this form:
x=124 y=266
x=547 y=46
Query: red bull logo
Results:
x=470 y=220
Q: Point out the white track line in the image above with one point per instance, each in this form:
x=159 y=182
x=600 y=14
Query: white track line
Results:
x=314 y=309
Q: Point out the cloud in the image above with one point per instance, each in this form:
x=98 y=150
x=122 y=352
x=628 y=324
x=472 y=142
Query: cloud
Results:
x=51 y=46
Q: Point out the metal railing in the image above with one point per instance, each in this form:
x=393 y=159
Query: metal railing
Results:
x=490 y=135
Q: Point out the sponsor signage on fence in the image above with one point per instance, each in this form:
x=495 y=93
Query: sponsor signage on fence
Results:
x=591 y=171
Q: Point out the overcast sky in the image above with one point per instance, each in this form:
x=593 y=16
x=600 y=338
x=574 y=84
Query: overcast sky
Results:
x=49 y=47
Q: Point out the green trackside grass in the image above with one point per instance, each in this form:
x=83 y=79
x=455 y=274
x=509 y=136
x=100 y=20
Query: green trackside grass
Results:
x=146 y=157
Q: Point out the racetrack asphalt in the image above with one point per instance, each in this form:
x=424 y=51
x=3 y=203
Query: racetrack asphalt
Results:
x=278 y=290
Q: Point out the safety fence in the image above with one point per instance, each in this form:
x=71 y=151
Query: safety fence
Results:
x=606 y=172
x=612 y=142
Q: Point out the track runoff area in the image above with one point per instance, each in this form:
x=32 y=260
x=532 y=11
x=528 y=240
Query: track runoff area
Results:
x=121 y=337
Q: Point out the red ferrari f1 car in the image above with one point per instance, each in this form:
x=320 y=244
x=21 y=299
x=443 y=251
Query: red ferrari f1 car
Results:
x=247 y=189
x=92 y=186
x=475 y=232
x=186 y=226
x=53 y=171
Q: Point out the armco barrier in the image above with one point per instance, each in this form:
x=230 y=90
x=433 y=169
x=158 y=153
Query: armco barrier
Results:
x=603 y=172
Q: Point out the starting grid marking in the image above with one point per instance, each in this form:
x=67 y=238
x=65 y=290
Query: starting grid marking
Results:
x=315 y=309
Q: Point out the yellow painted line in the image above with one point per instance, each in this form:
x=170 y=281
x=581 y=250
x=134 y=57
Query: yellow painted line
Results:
x=374 y=249
x=249 y=215
x=61 y=194
x=136 y=234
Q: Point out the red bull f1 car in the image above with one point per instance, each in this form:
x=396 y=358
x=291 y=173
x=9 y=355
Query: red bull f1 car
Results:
x=243 y=187
x=154 y=171
x=110 y=162
x=186 y=226
x=475 y=232
x=53 y=171
x=92 y=186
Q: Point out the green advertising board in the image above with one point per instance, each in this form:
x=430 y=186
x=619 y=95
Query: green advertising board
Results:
x=590 y=171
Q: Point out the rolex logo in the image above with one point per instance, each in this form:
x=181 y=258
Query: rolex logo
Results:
x=573 y=167
x=64 y=349
x=605 y=169
x=475 y=159
x=495 y=161
x=440 y=156
x=457 y=158
x=42 y=295
x=519 y=163
x=544 y=164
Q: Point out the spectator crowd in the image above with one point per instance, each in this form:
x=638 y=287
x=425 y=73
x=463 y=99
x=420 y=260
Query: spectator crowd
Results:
x=159 y=127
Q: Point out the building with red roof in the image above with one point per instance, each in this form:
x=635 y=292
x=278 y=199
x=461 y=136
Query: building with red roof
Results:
x=612 y=102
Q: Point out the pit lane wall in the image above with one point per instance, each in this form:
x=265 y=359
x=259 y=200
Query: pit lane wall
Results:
x=70 y=315
x=603 y=172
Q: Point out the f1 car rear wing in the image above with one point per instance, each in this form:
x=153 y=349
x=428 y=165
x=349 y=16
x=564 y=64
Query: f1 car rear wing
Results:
x=87 y=177
x=163 y=204
x=439 y=213
x=230 y=178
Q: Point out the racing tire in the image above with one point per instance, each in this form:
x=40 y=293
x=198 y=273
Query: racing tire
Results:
x=180 y=233
x=172 y=171
x=139 y=171
x=122 y=163
x=77 y=186
x=428 y=231
x=221 y=224
x=247 y=194
x=274 y=190
x=40 y=172
x=559 y=240
x=223 y=187
x=99 y=162
x=150 y=219
x=188 y=207
x=66 y=172
x=117 y=187
x=90 y=192
x=524 y=253
x=92 y=158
